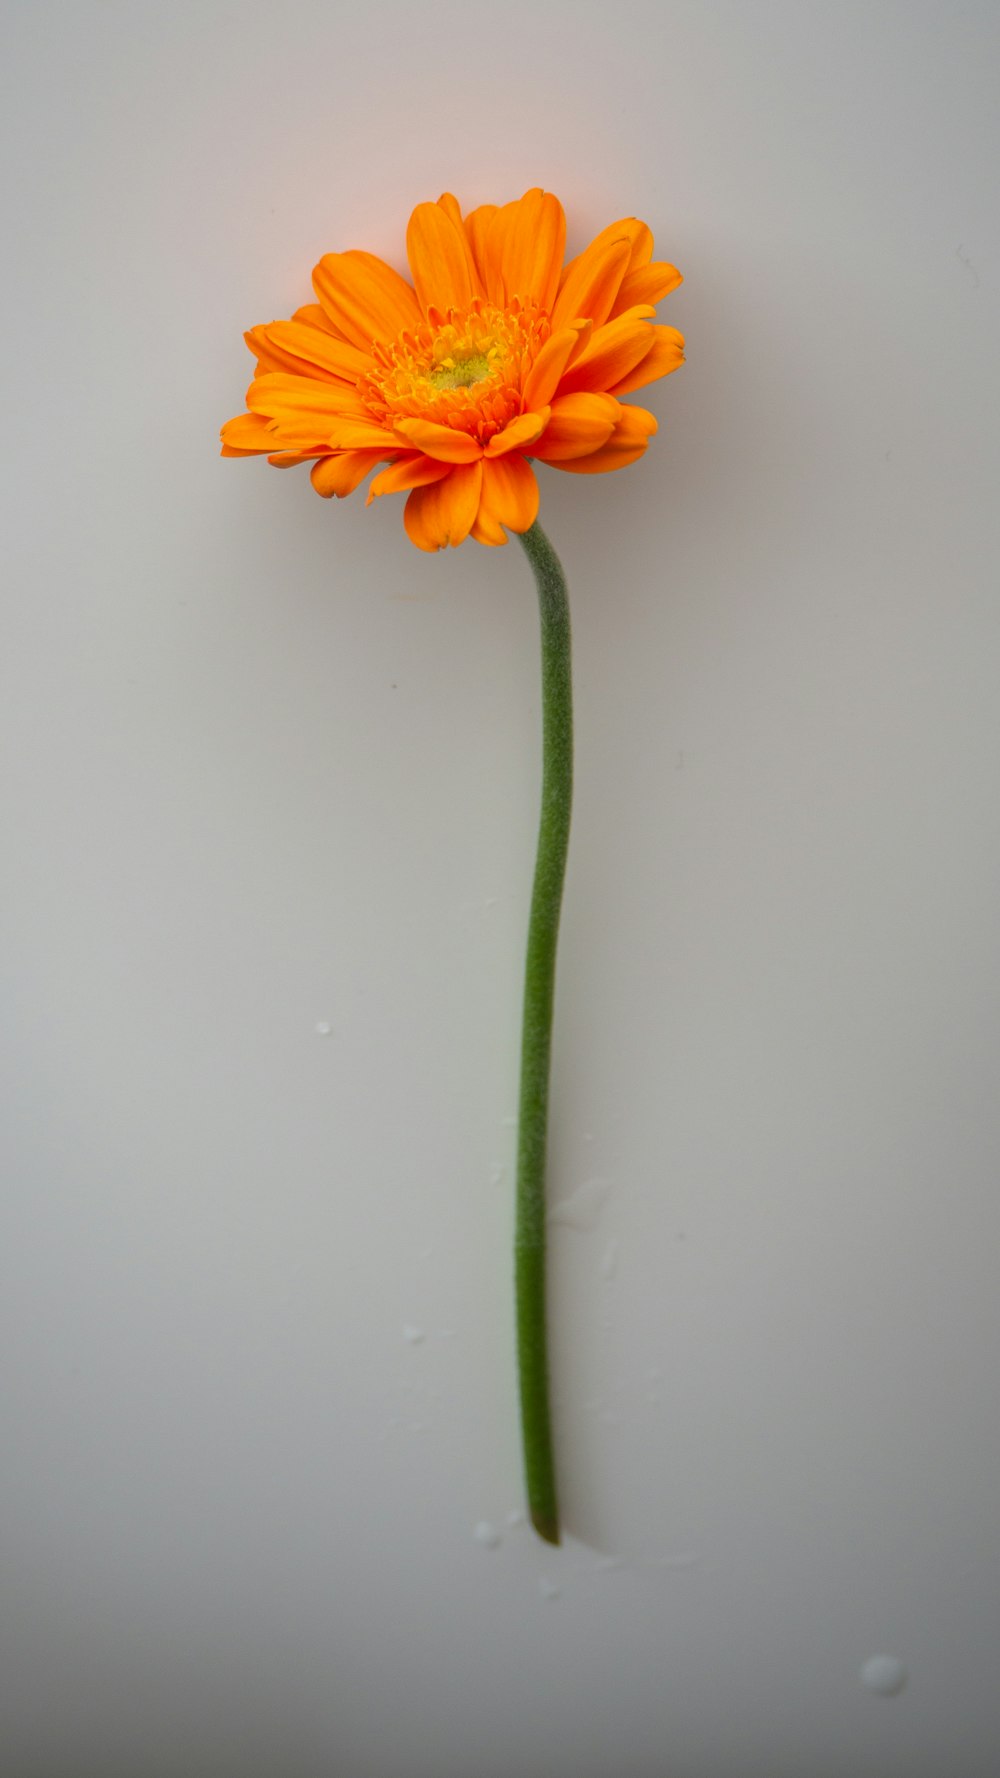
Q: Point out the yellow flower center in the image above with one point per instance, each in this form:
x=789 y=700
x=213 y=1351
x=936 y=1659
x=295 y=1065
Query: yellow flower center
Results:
x=460 y=373
x=463 y=369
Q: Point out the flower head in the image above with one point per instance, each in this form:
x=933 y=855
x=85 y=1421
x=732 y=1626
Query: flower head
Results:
x=496 y=353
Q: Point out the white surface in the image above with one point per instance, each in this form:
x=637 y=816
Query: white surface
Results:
x=270 y=769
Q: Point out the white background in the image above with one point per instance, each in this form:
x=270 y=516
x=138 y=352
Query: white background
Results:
x=268 y=766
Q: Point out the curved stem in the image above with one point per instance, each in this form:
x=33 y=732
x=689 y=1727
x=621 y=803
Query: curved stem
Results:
x=536 y=1043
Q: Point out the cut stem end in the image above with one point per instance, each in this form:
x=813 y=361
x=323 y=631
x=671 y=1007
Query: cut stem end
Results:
x=546 y=1526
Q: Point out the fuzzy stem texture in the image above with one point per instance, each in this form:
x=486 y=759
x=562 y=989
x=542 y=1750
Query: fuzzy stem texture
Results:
x=536 y=1045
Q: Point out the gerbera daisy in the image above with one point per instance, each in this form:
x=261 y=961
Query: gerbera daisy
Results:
x=495 y=354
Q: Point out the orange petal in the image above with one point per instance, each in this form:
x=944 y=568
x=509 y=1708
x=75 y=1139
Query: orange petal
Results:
x=612 y=352
x=411 y=471
x=476 y=227
x=592 y=285
x=418 y=520
x=442 y=442
x=665 y=354
x=488 y=530
x=542 y=380
x=341 y=472
x=444 y=511
x=246 y=436
x=272 y=358
x=630 y=229
x=305 y=414
x=349 y=434
x=627 y=442
x=647 y=284
x=518 y=434
x=450 y=203
x=364 y=298
x=459 y=497
x=292 y=347
x=641 y=236
x=510 y=493
x=532 y=243
x=312 y=315
x=280 y=394
x=536 y=242
x=493 y=253
x=444 y=272
x=292 y=459
x=580 y=424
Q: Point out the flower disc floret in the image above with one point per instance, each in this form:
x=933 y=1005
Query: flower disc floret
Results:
x=463 y=369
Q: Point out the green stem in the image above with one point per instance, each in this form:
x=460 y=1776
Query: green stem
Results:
x=536 y=1044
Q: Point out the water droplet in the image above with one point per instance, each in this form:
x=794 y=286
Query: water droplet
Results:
x=884 y=1675
x=323 y=1027
x=516 y=1517
x=412 y=1335
x=609 y=1264
x=548 y=1588
x=487 y=1535
x=582 y=1208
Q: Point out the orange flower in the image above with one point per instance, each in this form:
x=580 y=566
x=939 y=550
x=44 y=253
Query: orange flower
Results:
x=495 y=354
